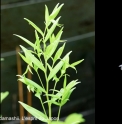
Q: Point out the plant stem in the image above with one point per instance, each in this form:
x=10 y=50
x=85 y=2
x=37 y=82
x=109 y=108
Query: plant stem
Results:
x=59 y=113
x=56 y=84
x=43 y=106
x=40 y=80
x=54 y=87
x=40 y=96
x=47 y=89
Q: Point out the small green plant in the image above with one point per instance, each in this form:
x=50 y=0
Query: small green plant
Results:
x=46 y=57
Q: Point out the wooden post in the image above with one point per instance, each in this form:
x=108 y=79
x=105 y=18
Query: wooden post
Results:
x=29 y=99
x=20 y=85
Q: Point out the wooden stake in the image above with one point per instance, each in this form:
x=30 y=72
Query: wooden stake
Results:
x=20 y=85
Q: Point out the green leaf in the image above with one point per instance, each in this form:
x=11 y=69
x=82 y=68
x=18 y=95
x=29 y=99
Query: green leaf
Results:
x=58 y=36
x=28 y=61
x=63 y=41
x=52 y=47
x=58 y=67
x=35 y=68
x=76 y=63
x=47 y=18
x=74 y=119
x=58 y=96
x=65 y=66
x=39 y=115
x=49 y=50
x=34 y=26
x=72 y=84
x=59 y=53
x=73 y=68
x=31 y=83
x=64 y=102
x=66 y=95
x=32 y=57
x=38 y=95
x=50 y=31
x=37 y=43
x=52 y=38
x=3 y=95
x=50 y=18
x=55 y=11
x=58 y=25
x=24 y=39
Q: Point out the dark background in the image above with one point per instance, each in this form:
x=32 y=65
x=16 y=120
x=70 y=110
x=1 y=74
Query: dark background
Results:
x=78 y=17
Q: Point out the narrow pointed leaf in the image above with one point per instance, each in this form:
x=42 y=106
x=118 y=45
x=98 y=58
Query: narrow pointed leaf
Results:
x=65 y=66
x=64 y=102
x=39 y=115
x=76 y=63
x=72 y=84
x=59 y=94
x=37 y=43
x=35 y=68
x=26 y=40
x=32 y=83
x=58 y=36
x=47 y=18
x=58 y=25
x=38 y=95
x=55 y=12
x=52 y=38
x=51 y=30
x=52 y=47
x=29 y=62
x=58 y=67
x=59 y=53
x=32 y=57
x=34 y=26
x=73 y=68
